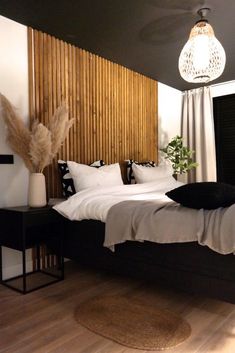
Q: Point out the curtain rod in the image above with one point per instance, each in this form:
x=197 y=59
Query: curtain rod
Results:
x=223 y=83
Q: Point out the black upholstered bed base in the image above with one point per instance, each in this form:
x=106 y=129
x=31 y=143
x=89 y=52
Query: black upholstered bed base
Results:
x=188 y=266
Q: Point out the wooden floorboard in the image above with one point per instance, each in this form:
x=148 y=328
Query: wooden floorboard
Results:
x=43 y=321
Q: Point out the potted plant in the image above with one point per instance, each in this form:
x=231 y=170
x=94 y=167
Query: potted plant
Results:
x=180 y=156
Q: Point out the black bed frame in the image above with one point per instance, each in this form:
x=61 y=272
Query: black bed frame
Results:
x=188 y=266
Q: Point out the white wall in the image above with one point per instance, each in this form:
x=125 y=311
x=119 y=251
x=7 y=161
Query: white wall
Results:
x=169 y=113
x=223 y=89
x=14 y=85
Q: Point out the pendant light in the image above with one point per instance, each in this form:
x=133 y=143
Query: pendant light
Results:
x=202 y=59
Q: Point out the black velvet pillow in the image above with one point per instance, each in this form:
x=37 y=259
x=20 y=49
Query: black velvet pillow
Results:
x=207 y=195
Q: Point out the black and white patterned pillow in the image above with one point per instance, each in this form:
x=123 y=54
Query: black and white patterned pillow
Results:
x=129 y=171
x=66 y=178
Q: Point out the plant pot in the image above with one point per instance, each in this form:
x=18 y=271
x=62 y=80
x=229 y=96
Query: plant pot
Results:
x=37 y=190
x=182 y=178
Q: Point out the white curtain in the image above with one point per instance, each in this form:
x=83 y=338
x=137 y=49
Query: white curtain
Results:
x=197 y=130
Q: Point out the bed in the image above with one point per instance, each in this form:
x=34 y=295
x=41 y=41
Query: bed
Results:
x=187 y=265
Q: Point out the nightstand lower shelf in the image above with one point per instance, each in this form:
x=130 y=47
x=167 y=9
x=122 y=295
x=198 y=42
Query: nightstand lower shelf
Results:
x=34 y=280
x=42 y=231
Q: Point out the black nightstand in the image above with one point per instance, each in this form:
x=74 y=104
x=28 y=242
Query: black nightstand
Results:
x=23 y=228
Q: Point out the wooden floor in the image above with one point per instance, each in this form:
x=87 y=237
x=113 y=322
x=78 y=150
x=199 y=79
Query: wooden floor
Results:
x=43 y=321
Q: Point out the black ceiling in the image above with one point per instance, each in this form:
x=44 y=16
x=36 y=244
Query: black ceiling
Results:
x=143 y=35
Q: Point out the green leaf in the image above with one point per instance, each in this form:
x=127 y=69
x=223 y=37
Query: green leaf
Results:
x=180 y=156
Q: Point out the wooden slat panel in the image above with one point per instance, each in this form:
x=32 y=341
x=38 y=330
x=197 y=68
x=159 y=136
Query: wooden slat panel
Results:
x=115 y=108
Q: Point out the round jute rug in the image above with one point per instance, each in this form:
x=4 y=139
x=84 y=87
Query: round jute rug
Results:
x=133 y=322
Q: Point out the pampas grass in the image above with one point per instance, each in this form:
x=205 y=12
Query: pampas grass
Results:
x=38 y=146
x=59 y=127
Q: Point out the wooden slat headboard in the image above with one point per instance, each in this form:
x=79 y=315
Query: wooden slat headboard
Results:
x=115 y=108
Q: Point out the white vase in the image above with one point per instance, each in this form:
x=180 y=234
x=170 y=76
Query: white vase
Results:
x=37 y=190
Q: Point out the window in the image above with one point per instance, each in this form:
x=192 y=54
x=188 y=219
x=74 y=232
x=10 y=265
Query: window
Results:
x=224 y=118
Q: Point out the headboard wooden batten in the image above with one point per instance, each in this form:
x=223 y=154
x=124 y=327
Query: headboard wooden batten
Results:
x=115 y=108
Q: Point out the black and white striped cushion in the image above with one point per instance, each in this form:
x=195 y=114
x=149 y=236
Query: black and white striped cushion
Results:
x=66 y=179
x=130 y=175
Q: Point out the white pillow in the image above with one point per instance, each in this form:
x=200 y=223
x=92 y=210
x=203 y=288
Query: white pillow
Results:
x=85 y=177
x=145 y=175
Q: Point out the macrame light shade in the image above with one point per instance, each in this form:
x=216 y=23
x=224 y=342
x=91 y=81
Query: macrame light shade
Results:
x=203 y=58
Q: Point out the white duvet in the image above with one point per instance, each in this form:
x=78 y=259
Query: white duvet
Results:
x=94 y=203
